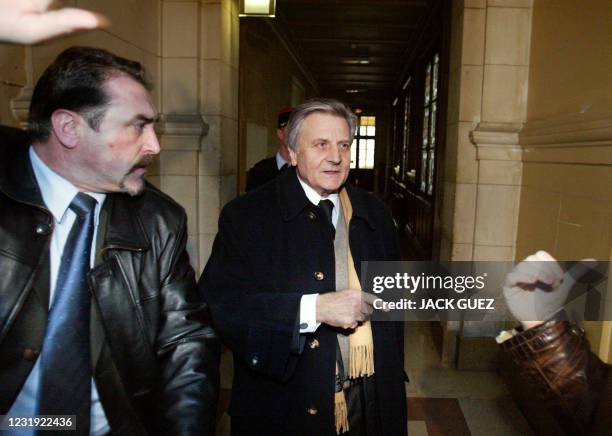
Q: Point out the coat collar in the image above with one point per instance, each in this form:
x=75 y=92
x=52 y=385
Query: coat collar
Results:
x=124 y=228
x=293 y=199
x=17 y=178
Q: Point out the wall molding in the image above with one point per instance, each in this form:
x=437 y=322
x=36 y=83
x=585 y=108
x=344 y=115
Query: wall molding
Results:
x=574 y=130
x=181 y=132
x=20 y=105
x=497 y=141
x=569 y=139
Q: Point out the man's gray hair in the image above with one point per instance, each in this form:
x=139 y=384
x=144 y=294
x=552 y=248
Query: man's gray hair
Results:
x=325 y=106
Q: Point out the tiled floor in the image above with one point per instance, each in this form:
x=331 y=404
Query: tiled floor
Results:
x=455 y=402
x=441 y=401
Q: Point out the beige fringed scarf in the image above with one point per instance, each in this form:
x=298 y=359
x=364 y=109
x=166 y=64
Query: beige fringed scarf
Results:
x=361 y=344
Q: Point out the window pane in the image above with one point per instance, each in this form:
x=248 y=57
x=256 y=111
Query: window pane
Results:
x=372 y=121
x=362 y=157
x=406 y=138
x=362 y=130
x=435 y=75
x=423 y=169
x=432 y=131
x=428 y=85
x=430 y=172
x=354 y=154
x=370 y=159
x=426 y=127
x=371 y=131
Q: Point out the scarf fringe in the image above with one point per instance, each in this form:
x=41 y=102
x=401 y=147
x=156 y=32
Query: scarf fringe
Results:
x=361 y=360
x=341 y=413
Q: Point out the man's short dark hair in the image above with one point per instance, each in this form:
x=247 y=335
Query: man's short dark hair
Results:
x=74 y=81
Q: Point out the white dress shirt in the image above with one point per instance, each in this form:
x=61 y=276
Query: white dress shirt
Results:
x=308 y=302
x=57 y=194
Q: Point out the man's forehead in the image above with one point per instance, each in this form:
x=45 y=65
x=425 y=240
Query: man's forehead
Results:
x=316 y=122
x=126 y=91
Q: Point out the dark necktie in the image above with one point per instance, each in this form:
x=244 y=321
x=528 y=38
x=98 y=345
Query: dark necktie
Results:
x=65 y=361
x=328 y=207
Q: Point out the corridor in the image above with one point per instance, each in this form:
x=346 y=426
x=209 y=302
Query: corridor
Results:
x=485 y=127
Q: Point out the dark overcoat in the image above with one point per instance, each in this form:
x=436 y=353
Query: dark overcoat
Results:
x=262 y=172
x=273 y=246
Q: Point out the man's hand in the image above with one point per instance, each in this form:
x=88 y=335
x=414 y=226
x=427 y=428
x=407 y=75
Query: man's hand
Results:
x=32 y=21
x=537 y=288
x=344 y=309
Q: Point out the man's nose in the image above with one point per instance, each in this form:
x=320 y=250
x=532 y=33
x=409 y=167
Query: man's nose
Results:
x=334 y=155
x=151 y=142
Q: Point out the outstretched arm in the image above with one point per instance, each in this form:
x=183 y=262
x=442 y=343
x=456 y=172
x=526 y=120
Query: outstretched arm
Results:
x=33 y=21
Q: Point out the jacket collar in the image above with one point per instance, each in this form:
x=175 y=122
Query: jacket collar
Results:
x=124 y=228
x=17 y=178
x=293 y=199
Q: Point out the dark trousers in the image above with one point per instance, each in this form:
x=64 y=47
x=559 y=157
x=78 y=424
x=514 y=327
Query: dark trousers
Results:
x=363 y=413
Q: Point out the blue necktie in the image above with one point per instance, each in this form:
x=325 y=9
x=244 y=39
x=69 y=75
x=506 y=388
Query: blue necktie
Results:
x=65 y=361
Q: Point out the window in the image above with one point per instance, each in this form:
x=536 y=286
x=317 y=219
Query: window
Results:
x=362 y=149
x=430 y=110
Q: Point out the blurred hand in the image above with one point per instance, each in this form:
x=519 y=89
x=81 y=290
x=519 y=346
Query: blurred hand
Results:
x=537 y=288
x=32 y=21
x=344 y=309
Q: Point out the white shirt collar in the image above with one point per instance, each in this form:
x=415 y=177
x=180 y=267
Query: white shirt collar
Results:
x=57 y=192
x=314 y=196
x=280 y=161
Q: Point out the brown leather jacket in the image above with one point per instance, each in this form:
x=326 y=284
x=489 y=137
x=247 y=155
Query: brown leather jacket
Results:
x=574 y=383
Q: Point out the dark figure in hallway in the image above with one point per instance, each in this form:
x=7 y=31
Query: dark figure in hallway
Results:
x=13 y=137
x=283 y=288
x=554 y=356
x=267 y=169
x=99 y=312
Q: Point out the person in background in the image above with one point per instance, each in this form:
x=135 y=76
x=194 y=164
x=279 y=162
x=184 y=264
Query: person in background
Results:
x=267 y=169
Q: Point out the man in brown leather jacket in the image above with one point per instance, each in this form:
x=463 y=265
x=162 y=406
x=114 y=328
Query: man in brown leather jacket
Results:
x=93 y=265
x=554 y=356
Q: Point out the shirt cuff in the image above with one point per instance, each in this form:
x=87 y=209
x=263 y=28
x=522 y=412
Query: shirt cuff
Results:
x=308 y=313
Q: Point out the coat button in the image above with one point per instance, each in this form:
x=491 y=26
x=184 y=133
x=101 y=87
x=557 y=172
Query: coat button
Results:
x=43 y=229
x=312 y=411
x=319 y=275
x=312 y=216
x=313 y=343
x=255 y=360
x=30 y=354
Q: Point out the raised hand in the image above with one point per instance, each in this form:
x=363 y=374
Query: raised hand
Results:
x=33 y=21
x=537 y=288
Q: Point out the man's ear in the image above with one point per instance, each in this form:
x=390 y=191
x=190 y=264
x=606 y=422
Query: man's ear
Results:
x=66 y=126
x=293 y=157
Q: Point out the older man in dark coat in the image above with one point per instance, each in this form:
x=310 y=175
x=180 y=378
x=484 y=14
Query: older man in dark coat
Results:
x=285 y=298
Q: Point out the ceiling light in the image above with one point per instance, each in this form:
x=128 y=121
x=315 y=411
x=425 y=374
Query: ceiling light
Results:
x=352 y=91
x=355 y=61
x=257 y=8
